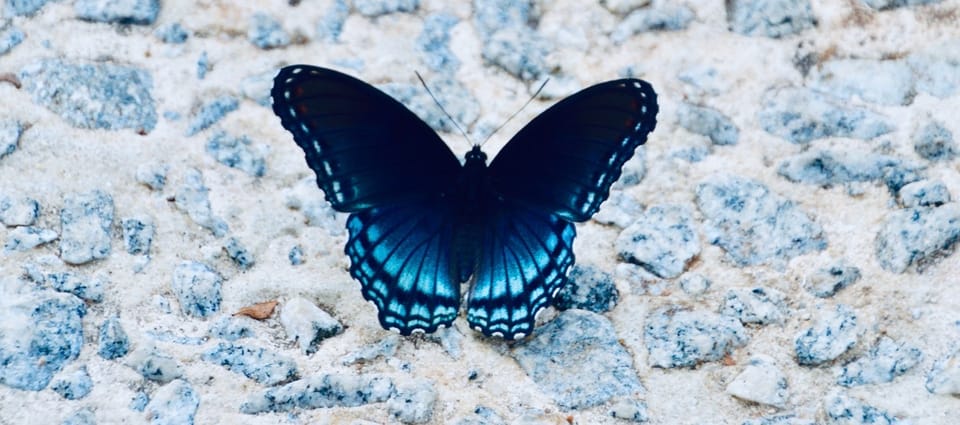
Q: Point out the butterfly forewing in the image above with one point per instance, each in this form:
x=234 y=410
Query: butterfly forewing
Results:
x=565 y=160
x=366 y=148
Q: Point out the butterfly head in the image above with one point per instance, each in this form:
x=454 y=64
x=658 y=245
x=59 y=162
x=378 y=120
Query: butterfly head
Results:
x=476 y=156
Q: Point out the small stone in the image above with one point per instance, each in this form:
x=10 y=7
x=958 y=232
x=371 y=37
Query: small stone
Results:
x=434 y=43
x=42 y=333
x=800 y=115
x=769 y=18
x=153 y=176
x=826 y=282
x=842 y=409
x=137 y=234
x=708 y=122
x=694 y=284
x=662 y=240
x=520 y=51
x=211 y=112
x=634 y=170
x=759 y=305
x=917 y=236
x=173 y=33
x=885 y=361
x=86 y=220
x=826 y=167
x=893 y=4
x=305 y=197
x=680 y=338
x=374 y=8
x=236 y=152
x=112 y=340
x=258 y=364
x=944 y=377
x=665 y=17
x=10 y=37
x=619 y=210
x=197 y=287
x=94 y=96
x=154 y=365
x=139 y=401
x=321 y=391
x=385 y=348
x=924 y=193
x=173 y=403
x=203 y=65
x=934 y=142
x=192 y=198
x=412 y=403
x=266 y=33
x=86 y=288
x=296 y=255
x=588 y=288
x=754 y=225
x=629 y=410
x=140 y=12
x=238 y=254
x=887 y=82
x=25 y=238
x=833 y=334
x=257 y=87
x=75 y=385
x=578 y=361
x=10 y=132
x=18 y=211
x=760 y=382
x=307 y=324
x=331 y=23
x=231 y=328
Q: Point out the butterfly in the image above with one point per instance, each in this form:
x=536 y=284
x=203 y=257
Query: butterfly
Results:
x=421 y=223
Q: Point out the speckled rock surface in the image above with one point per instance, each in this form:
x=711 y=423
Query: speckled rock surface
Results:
x=795 y=261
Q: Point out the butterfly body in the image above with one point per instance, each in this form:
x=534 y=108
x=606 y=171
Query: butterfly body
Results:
x=421 y=223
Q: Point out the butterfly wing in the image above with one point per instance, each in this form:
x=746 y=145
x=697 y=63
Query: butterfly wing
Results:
x=524 y=257
x=565 y=160
x=379 y=161
x=366 y=148
x=401 y=254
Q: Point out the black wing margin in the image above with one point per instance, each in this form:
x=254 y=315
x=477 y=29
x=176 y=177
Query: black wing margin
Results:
x=565 y=160
x=366 y=148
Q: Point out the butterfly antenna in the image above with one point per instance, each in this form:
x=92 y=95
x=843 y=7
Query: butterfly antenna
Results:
x=534 y=96
x=440 y=105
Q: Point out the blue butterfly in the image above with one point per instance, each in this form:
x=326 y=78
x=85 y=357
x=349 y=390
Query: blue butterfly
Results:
x=421 y=223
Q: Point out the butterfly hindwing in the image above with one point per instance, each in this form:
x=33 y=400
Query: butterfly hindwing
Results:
x=578 y=147
x=366 y=148
x=401 y=254
x=524 y=257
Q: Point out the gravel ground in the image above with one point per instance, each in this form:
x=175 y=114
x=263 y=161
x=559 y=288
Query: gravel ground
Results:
x=780 y=252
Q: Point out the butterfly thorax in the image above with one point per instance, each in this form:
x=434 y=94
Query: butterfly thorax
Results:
x=473 y=198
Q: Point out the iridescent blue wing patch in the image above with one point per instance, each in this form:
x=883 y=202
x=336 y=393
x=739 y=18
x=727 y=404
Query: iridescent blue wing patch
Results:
x=401 y=255
x=524 y=257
